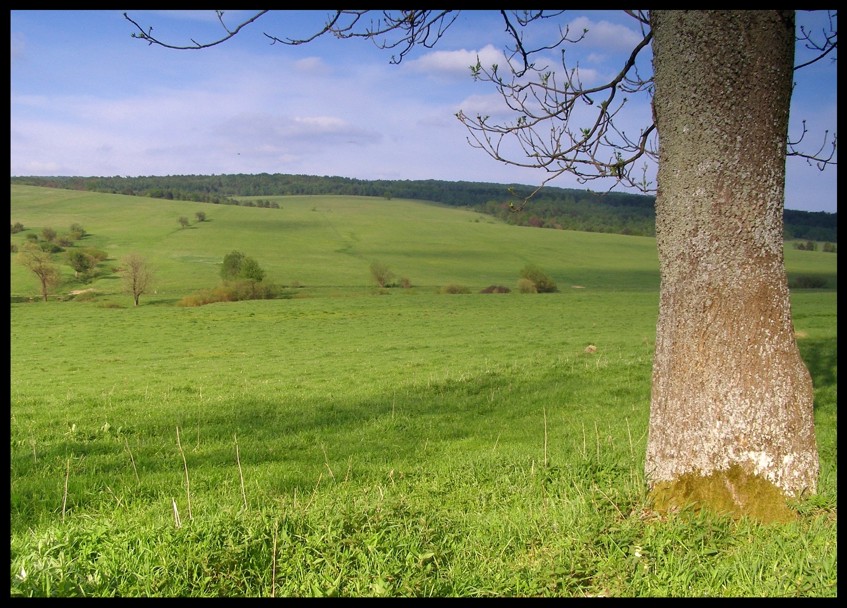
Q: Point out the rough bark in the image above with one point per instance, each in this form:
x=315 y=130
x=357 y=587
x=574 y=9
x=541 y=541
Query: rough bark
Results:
x=729 y=386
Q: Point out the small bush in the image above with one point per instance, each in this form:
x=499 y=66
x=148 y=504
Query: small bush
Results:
x=97 y=255
x=453 y=288
x=830 y=248
x=381 y=274
x=405 y=283
x=543 y=283
x=807 y=246
x=50 y=247
x=526 y=286
x=233 y=291
x=17 y=227
x=496 y=289
x=805 y=281
x=77 y=232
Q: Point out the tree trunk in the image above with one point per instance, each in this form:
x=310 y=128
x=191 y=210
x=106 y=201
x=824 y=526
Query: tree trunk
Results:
x=730 y=391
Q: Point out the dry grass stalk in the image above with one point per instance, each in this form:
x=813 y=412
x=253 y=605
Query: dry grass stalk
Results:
x=65 y=496
x=177 y=521
x=185 y=464
x=240 y=474
x=132 y=460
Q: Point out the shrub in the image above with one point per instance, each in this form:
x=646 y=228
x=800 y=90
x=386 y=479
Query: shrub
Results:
x=17 y=227
x=80 y=262
x=526 y=286
x=201 y=216
x=48 y=234
x=496 y=289
x=77 y=231
x=805 y=281
x=807 y=246
x=543 y=283
x=231 y=265
x=405 y=283
x=381 y=274
x=830 y=248
x=453 y=288
x=50 y=247
x=183 y=221
x=97 y=255
x=232 y=291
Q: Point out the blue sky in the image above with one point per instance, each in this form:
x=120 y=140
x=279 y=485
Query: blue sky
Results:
x=87 y=99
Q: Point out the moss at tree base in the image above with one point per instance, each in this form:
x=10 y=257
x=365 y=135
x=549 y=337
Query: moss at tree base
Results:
x=732 y=492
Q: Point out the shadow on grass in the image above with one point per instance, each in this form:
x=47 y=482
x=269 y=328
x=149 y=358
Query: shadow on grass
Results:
x=821 y=357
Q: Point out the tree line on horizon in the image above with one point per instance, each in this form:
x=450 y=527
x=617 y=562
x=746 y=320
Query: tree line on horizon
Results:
x=550 y=207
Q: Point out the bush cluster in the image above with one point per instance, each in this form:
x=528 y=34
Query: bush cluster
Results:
x=541 y=282
x=231 y=291
x=453 y=288
x=805 y=281
x=496 y=289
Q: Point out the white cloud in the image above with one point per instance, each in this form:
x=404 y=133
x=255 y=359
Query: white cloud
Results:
x=456 y=62
x=605 y=35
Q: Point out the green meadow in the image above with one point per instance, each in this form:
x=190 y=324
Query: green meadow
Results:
x=347 y=440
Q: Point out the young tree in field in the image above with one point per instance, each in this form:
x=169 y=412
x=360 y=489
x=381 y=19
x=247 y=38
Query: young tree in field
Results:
x=232 y=265
x=41 y=264
x=136 y=275
x=238 y=266
x=183 y=221
x=81 y=262
x=251 y=271
x=732 y=399
x=201 y=216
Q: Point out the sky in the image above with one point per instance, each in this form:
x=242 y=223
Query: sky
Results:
x=87 y=99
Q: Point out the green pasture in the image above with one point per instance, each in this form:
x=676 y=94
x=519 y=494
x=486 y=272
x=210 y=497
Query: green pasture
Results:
x=396 y=442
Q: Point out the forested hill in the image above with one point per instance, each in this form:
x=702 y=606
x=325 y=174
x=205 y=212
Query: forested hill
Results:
x=551 y=207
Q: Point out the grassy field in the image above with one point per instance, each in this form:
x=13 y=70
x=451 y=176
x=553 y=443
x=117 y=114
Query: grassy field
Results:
x=392 y=442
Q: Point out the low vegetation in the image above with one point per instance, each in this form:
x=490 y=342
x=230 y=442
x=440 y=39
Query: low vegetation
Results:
x=341 y=444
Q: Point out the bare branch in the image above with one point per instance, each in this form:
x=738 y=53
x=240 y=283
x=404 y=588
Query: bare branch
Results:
x=823 y=47
x=552 y=130
x=547 y=105
x=147 y=35
x=407 y=29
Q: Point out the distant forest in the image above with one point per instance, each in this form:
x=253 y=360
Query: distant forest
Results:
x=561 y=208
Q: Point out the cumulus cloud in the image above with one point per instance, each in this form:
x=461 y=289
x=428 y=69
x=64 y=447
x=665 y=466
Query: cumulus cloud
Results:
x=605 y=35
x=458 y=62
